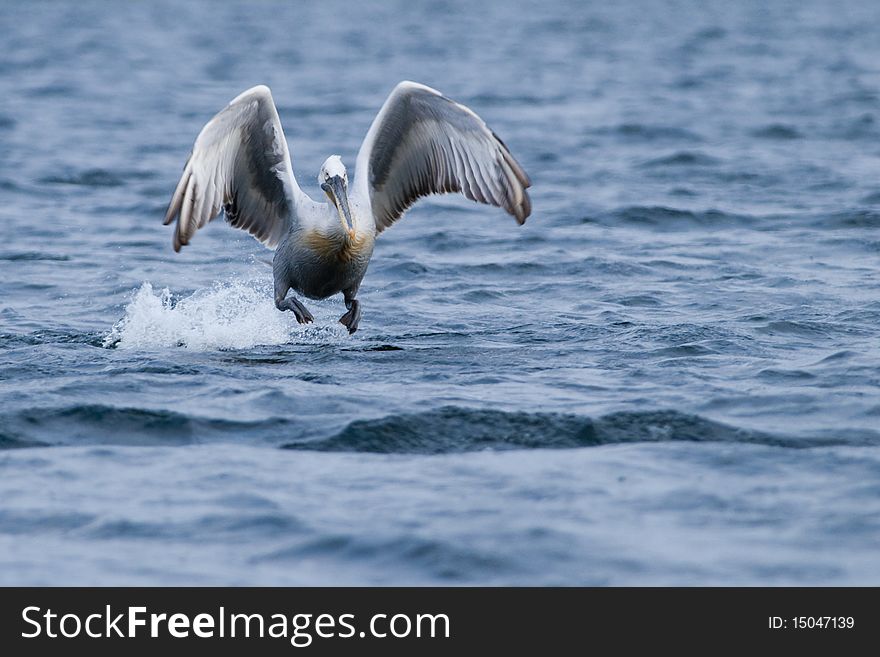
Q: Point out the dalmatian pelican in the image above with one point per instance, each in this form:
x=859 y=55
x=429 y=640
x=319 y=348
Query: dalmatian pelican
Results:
x=420 y=143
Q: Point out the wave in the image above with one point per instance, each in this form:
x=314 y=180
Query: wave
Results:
x=33 y=255
x=231 y=315
x=446 y=560
x=850 y=219
x=682 y=159
x=660 y=216
x=643 y=132
x=778 y=131
x=8 y=442
x=102 y=424
x=445 y=430
x=87 y=178
x=457 y=429
x=52 y=336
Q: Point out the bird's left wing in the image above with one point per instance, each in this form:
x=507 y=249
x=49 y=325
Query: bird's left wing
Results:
x=240 y=163
x=423 y=143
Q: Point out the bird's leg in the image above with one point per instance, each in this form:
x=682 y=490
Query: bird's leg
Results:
x=351 y=319
x=303 y=316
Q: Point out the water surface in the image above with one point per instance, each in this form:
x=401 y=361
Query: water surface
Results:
x=669 y=375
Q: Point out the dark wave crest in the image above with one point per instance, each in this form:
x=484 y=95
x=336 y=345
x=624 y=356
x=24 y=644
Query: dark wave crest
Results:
x=87 y=178
x=449 y=429
x=666 y=218
x=90 y=424
x=682 y=159
x=454 y=429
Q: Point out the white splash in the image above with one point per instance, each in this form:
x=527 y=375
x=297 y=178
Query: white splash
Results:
x=230 y=315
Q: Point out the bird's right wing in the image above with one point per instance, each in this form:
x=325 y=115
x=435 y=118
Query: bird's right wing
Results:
x=240 y=163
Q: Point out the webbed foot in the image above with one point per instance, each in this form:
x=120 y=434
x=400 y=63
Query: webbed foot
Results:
x=303 y=316
x=351 y=319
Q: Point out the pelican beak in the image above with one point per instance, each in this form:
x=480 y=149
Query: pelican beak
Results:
x=336 y=192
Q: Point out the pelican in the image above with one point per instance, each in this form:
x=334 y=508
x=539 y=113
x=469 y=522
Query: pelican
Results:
x=420 y=143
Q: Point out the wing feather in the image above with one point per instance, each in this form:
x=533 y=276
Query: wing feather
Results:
x=240 y=163
x=423 y=143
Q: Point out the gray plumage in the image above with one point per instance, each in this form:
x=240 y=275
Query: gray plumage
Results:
x=239 y=163
x=424 y=143
x=420 y=143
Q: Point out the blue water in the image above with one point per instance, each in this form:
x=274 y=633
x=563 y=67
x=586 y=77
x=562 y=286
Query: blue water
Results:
x=669 y=375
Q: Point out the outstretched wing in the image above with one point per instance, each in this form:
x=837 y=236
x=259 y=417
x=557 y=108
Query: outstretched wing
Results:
x=239 y=163
x=423 y=143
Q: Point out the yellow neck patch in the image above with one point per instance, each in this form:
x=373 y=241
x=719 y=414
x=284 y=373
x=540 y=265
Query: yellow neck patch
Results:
x=335 y=247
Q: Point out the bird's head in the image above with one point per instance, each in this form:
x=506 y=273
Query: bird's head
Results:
x=334 y=181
